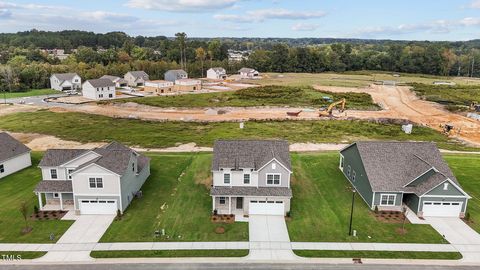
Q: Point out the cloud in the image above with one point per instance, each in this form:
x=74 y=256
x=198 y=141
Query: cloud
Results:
x=261 y=15
x=469 y=21
x=475 y=4
x=182 y=5
x=10 y=5
x=5 y=13
x=304 y=27
x=108 y=16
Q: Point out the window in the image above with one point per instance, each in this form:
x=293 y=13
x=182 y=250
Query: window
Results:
x=70 y=173
x=133 y=167
x=2 y=168
x=348 y=170
x=341 y=162
x=445 y=186
x=226 y=178
x=53 y=174
x=56 y=195
x=273 y=179
x=100 y=95
x=223 y=200
x=387 y=199
x=246 y=178
x=354 y=175
x=95 y=182
x=110 y=95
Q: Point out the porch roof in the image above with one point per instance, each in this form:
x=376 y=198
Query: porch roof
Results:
x=251 y=191
x=54 y=186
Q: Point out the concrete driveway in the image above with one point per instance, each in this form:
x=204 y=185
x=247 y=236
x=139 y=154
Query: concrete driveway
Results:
x=459 y=234
x=269 y=238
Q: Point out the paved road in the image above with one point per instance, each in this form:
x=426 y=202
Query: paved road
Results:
x=38 y=101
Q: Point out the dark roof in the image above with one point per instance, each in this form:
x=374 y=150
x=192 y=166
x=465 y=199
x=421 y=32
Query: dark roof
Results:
x=138 y=73
x=392 y=165
x=65 y=76
x=113 y=78
x=10 y=147
x=54 y=186
x=251 y=191
x=219 y=69
x=57 y=157
x=236 y=154
x=101 y=82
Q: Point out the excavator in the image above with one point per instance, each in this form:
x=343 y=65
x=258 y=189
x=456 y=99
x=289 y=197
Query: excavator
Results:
x=329 y=111
x=475 y=107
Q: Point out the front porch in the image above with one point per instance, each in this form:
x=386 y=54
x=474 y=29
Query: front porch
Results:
x=226 y=205
x=55 y=195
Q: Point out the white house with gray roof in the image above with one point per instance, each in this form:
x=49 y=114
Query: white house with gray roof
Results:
x=65 y=81
x=119 y=82
x=14 y=155
x=217 y=73
x=248 y=73
x=175 y=74
x=136 y=78
x=91 y=181
x=99 y=89
x=251 y=177
x=388 y=175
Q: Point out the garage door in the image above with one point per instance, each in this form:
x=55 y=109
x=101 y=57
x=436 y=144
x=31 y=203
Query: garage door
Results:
x=98 y=207
x=266 y=208
x=442 y=209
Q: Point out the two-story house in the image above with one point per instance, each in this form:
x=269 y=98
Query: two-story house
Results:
x=97 y=181
x=99 y=89
x=251 y=177
x=65 y=81
x=136 y=78
x=217 y=73
x=175 y=74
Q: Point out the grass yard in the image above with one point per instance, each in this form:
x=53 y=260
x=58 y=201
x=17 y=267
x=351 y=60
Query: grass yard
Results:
x=22 y=255
x=30 y=93
x=170 y=253
x=175 y=198
x=457 y=98
x=14 y=189
x=379 y=254
x=321 y=208
x=93 y=128
x=275 y=95
x=465 y=168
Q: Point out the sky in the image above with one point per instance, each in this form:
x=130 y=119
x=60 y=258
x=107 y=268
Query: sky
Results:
x=372 y=19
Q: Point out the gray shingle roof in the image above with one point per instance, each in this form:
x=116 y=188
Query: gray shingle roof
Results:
x=101 y=83
x=392 y=165
x=10 y=147
x=65 y=76
x=54 y=186
x=251 y=191
x=219 y=69
x=177 y=71
x=138 y=74
x=236 y=154
x=113 y=78
x=57 y=157
x=246 y=70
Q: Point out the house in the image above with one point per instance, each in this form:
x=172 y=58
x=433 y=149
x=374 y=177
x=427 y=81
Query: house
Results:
x=119 y=82
x=14 y=155
x=99 y=89
x=158 y=87
x=251 y=177
x=136 y=78
x=388 y=175
x=217 y=73
x=248 y=73
x=185 y=85
x=65 y=81
x=96 y=181
x=175 y=74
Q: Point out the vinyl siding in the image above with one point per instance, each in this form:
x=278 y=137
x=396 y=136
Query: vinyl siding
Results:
x=16 y=164
x=81 y=181
x=451 y=190
x=398 y=198
x=284 y=178
x=131 y=182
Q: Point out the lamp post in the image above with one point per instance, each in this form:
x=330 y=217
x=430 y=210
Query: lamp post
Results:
x=351 y=212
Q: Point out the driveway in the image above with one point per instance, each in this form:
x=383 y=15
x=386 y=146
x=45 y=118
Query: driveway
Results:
x=269 y=238
x=459 y=234
x=79 y=240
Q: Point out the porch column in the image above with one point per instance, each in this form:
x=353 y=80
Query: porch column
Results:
x=40 y=204
x=61 y=201
x=229 y=205
x=213 y=203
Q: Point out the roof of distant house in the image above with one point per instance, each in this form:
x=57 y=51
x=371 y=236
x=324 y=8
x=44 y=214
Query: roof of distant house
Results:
x=246 y=70
x=113 y=78
x=177 y=71
x=219 y=69
x=101 y=82
x=138 y=73
x=10 y=147
x=64 y=76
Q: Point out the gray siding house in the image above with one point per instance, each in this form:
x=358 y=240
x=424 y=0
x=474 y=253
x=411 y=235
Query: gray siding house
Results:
x=388 y=175
x=251 y=177
x=136 y=78
x=175 y=74
x=14 y=155
x=97 y=181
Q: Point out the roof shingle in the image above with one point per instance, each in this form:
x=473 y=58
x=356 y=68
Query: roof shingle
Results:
x=10 y=147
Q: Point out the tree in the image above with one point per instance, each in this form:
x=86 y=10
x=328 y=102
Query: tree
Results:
x=181 y=39
x=9 y=79
x=24 y=210
x=201 y=55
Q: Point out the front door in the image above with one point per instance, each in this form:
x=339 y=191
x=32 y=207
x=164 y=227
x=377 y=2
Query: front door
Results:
x=239 y=202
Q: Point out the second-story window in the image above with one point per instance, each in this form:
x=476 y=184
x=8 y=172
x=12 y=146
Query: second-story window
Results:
x=95 y=182
x=70 y=171
x=246 y=178
x=226 y=178
x=53 y=174
x=273 y=179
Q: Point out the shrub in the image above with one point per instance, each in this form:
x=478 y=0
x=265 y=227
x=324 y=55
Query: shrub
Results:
x=119 y=215
x=35 y=209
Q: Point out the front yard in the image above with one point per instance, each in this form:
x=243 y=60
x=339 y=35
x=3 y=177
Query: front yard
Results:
x=176 y=199
x=18 y=188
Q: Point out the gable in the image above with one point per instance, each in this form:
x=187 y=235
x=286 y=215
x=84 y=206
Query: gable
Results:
x=421 y=178
x=80 y=160
x=451 y=190
x=93 y=169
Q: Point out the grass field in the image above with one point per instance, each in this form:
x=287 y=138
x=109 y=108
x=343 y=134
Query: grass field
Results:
x=169 y=253
x=457 y=97
x=379 y=254
x=260 y=96
x=321 y=208
x=175 y=198
x=30 y=93
x=93 y=128
x=18 y=188
x=22 y=255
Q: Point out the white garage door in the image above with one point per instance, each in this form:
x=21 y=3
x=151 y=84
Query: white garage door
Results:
x=98 y=207
x=442 y=209
x=266 y=208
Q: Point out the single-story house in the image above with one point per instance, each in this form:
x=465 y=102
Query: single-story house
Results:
x=65 y=81
x=14 y=155
x=136 y=78
x=248 y=73
x=99 y=89
x=217 y=73
x=251 y=177
x=388 y=175
x=119 y=82
x=175 y=74
x=158 y=87
x=185 y=85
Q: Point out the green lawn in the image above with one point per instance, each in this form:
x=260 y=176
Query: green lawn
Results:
x=175 y=198
x=466 y=168
x=321 y=208
x=457 y=97
x=30 y=93
x=379 y=254
x=260 y=96
x=14 y=189
x=22 y=255
x=92 y=128
x=169 y=253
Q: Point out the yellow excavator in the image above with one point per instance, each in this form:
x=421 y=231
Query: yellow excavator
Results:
x=329 y=111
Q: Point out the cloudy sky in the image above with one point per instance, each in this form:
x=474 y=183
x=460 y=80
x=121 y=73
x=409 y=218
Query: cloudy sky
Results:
x=400 y=19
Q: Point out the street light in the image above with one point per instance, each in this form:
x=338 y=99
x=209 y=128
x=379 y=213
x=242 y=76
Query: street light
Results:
x=351 y=212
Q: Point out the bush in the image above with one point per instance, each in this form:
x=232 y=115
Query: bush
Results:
x=119 y=215
x=289 y=214
x=376 y=209
x=35 y=209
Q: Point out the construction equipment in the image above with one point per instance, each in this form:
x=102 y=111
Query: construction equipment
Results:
x=447 y=128
x=475 y=107
x=294 y=113
x=329 y=111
